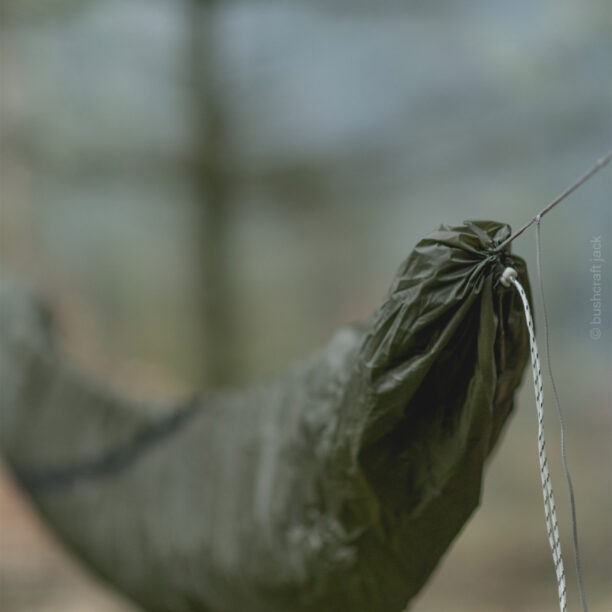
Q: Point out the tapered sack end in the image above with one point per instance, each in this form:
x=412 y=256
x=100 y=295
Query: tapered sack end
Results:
x=433 y=386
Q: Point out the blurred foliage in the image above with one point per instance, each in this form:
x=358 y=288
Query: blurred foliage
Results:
x=33 y=10
x=350 y=130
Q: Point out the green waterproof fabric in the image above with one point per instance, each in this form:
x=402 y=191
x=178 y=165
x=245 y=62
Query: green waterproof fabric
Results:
x=336 y=487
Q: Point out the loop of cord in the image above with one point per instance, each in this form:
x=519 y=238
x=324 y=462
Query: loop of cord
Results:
x=508 y=278
x=550 y=511
x=568 y=476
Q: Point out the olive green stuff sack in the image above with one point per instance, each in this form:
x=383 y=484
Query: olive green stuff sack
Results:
x=336 y=487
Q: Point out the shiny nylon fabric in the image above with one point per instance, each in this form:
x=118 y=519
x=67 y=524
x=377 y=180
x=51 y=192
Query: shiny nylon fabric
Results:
x=336 y=487
x=444 y=354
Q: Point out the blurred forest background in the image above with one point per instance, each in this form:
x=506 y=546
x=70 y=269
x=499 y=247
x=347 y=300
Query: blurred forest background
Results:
x=206 y=189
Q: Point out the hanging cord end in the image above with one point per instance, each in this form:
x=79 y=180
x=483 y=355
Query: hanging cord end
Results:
x=508 y=275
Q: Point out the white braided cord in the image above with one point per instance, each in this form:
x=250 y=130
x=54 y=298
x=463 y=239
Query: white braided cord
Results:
x=550 y=512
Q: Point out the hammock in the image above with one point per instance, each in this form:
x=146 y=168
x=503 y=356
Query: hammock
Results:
x=337 y=486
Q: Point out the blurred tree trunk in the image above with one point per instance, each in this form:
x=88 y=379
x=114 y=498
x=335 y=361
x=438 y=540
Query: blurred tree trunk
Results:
x=212 y=187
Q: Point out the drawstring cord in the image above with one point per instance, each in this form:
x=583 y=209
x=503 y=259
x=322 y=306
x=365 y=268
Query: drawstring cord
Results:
x=509 y=277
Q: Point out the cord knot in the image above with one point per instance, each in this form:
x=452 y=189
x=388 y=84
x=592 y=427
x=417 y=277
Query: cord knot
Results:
x=508 y=275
